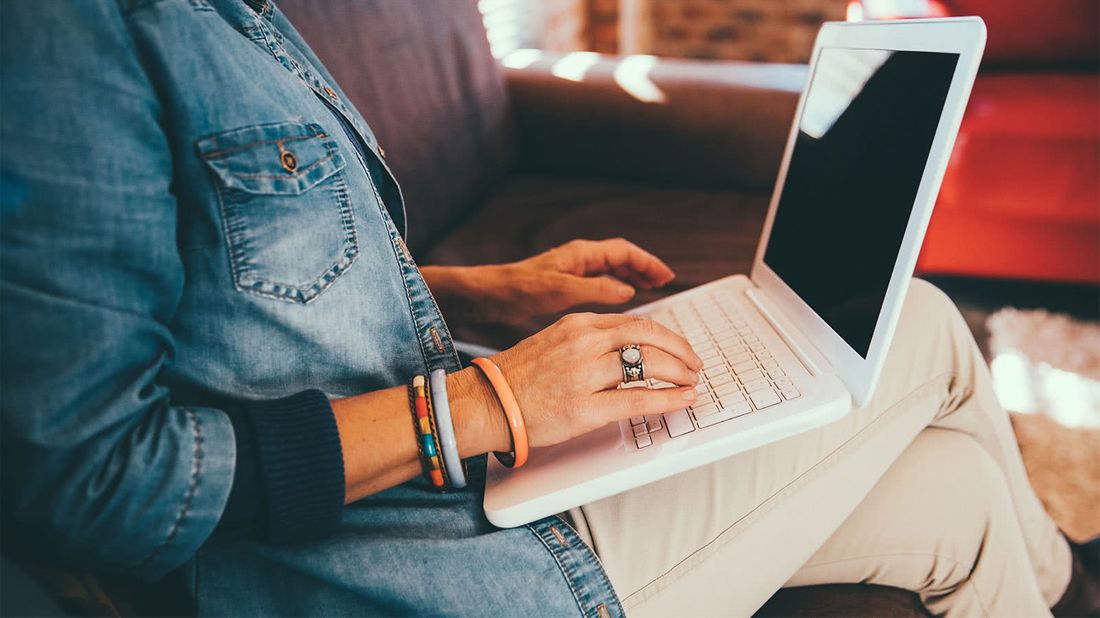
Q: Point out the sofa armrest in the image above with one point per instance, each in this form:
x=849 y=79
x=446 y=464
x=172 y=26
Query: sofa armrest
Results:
x=689 y=123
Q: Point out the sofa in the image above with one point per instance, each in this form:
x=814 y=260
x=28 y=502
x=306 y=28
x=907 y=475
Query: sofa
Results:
x=498 y=162
x=1021 y=197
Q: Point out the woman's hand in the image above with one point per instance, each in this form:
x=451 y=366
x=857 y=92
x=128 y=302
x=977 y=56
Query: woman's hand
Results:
x=565 y=376
x=602 y=272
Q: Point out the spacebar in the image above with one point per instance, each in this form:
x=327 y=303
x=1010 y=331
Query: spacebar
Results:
x=678 y=423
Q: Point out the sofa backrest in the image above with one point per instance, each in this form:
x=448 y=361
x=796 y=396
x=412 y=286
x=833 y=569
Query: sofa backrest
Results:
x=421 y=73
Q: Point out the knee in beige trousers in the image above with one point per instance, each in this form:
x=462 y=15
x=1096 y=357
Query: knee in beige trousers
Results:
x=922 y=488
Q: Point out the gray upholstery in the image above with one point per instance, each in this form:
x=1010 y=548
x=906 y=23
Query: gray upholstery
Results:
x=421 y=73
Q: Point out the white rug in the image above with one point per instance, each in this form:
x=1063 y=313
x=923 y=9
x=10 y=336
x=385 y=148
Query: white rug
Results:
x=1047 y=367
x=1046 y=362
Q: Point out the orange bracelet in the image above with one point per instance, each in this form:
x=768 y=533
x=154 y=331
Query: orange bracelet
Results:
x=507 y=398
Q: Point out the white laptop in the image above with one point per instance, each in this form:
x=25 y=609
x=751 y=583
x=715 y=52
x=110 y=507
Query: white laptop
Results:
x=800 y=341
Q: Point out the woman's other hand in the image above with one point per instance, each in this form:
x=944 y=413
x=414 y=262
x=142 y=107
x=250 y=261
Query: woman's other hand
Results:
x=565 y=376
x=580 y=272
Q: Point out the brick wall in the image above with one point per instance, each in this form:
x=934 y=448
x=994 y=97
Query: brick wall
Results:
x=758 y=30
x=565 y=25
x=603 y=26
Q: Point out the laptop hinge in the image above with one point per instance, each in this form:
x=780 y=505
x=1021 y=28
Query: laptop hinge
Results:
x=765 y=310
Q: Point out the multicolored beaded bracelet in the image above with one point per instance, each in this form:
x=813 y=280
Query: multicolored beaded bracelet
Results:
x=426 y=439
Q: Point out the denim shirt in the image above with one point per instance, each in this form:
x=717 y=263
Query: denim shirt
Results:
x=192 y=210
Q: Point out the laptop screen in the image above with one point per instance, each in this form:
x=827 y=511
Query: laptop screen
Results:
x=864 y=137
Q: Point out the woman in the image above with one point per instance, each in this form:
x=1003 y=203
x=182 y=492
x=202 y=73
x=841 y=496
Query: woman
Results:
x=211 y=322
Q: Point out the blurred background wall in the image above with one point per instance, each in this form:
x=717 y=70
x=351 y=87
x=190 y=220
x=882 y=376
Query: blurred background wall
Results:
x=756 y=30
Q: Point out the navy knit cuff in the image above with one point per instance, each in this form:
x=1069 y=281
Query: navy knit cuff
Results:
x=302 y=466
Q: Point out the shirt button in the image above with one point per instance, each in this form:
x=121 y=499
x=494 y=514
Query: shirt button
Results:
x=290 y=162
x=381 y=151
x=330 y=93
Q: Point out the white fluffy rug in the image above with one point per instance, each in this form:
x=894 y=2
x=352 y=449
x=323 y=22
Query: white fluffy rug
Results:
x=1046 y=367
x=1046 y=362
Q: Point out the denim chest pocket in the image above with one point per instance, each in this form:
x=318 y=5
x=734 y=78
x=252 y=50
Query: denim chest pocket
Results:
x=285 y=209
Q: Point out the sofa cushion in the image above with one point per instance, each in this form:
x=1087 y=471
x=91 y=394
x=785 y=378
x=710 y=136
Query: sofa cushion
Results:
x=703 y=235
x=843 y=600
x=422 y=75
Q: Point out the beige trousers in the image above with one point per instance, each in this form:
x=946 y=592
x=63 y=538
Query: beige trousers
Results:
x=923 y=488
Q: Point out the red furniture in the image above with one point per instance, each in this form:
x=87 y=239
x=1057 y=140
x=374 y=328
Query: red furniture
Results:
x=1021 y=198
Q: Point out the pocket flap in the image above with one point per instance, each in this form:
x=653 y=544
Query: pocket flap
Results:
x=287 y=158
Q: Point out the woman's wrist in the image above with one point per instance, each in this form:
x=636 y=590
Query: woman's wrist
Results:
x=467 y=293
x=479 y=421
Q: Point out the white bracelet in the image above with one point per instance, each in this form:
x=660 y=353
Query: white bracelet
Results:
x=445 y=426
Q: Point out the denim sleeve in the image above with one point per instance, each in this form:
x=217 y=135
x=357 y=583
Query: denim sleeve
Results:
x=95 y=458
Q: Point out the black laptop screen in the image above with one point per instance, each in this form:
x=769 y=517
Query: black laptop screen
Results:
x=863 y=142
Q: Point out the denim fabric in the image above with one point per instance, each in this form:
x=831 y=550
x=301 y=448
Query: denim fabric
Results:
x=192 y=211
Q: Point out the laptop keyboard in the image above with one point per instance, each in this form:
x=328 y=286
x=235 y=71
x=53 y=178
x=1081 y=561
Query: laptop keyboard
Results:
x=739 y=374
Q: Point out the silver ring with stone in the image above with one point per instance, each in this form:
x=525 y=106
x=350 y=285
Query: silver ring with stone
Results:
x=633 y=364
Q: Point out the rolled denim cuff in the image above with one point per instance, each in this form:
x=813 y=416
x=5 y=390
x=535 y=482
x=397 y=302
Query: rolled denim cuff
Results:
x=302 y=466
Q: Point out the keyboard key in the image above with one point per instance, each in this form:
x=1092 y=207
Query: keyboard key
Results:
x=697 y=340
x=637 y=420
x=727 y=414
x=783 y=383
x=744 y=366
x=654 y=424
x=702 y=399
x=768 y=363
x=724 y=334
x=679 y=423
x=756 y=347
x=763 y=399
x=726 y=389
x=750 y=375
x=730 y=399
x=708 y=354
x=714 y=363
x=643 y=441
x=740 y=352
x=704 y=410
x=639 y=430
x=741 y=357
x=739 y=409
x=720 y=379
x=758 y=385
x=791 y=393
x=763 y=354
x=776 y=372
x=701 y=389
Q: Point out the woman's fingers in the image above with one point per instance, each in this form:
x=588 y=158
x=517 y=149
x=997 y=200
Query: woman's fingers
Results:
x=622 y=403
x=604 y=290
x=658 y=364
x=638 y=330
x=617 y=330
x=617 y=257
x=628 y=260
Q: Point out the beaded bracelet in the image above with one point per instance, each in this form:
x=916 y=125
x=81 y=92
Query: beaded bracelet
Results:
x=429 y=454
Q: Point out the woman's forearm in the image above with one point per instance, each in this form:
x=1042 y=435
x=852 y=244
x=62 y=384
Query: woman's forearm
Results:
x=379 y=443
x=464 y=293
